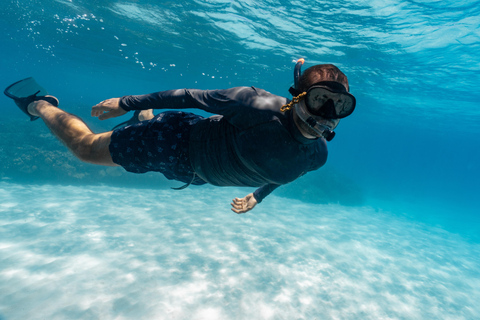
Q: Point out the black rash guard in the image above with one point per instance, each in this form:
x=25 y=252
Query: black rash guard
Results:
x=248 y=143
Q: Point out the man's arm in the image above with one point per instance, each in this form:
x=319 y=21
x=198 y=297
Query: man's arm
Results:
x=224 y=102
x=239 y=105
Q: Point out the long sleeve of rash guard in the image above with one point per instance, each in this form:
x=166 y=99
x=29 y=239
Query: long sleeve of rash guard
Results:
x=170 y=99
x=262 y=192
x=240 y=105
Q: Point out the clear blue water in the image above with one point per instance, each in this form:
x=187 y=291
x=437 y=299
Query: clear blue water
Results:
x=388 y=229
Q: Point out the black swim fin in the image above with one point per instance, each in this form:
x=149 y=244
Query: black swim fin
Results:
x=26 y=91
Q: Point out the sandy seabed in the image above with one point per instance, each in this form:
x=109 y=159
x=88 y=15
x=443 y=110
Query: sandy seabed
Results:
x=117 y=253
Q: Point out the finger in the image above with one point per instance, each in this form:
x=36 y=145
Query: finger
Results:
x=238 y=201
x=238 y=211
x=239 y=206
x=96 y=112
x=104 y=102
x=101 y=107
x=105 y=116
x=236 y=206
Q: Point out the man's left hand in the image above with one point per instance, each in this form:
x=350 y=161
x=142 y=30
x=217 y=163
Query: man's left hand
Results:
x=242 y=205
x=107 y=109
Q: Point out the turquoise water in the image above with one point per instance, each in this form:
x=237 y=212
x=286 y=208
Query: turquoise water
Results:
x=388 y=229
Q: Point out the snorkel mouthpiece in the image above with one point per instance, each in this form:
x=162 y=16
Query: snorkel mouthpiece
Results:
x=311 y=122
x=326 y=132
x=321 y=129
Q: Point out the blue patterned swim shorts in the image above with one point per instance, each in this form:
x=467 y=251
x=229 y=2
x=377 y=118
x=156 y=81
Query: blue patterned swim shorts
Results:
x=160 y=144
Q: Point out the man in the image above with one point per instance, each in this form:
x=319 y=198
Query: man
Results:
x=256 y=139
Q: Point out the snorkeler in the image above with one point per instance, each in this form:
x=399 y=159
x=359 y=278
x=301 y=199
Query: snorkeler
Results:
x=255 y=138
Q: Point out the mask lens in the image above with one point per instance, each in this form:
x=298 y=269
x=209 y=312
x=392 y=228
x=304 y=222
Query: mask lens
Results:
x=328 y=104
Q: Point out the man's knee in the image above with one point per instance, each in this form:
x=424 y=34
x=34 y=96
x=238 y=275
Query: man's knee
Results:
x=93 y=148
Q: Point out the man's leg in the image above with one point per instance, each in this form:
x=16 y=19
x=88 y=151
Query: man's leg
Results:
x=74 y=133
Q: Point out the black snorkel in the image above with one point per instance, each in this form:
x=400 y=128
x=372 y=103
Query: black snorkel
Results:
x=297 y=72
x=308 y=119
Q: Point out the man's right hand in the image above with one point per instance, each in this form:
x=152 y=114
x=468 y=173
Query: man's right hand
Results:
x=242 y=205
x=107 y=109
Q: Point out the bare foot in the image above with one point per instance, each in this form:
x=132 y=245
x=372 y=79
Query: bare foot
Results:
x=33 y=106
x=146 y=115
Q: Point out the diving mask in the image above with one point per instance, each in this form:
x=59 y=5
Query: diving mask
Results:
x=322 y=106
x=329 y=100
